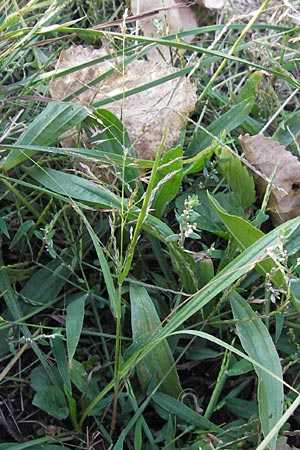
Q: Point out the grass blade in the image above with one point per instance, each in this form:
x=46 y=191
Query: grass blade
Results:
x=46 y=129
x=258 y=344
x=227 y=122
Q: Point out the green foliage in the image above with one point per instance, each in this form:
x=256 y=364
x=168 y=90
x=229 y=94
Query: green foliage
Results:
x=237 y=177
x=74 y=322
x=46 y=129
x=258 y=344
x=159 y=364
x=142 y=301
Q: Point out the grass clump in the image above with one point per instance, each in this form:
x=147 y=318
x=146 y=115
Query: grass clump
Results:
x=146 y=304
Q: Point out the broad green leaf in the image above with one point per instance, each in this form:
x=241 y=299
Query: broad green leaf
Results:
x=45 y=284
x=246 y=234
x=258 y=344
x=46 y=129
x=39 y=378
x=169 y=175
x=74 y=323
x=183 y=413
x=51 y=399
x=204 y=215
x=160 y=362
x=238 y=177
x=227 y=122
x=204 y=270
x=184 y=265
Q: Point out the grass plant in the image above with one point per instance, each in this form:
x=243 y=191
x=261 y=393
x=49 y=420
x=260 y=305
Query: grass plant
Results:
x=158 y=309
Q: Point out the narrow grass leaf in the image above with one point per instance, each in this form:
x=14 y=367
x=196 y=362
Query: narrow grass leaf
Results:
x=114 y=140
x=3 y=228
x=227 y=122
x=138 y=440
x=74 y=323
x=61 y=361
x=36 y=444
x=13 y=306
x=258 y=344
x=46 y=129
x=113 y=297
x=22 y=230
x=50 y=447
x=242 y=408
x=160 y=362
x=75 y=187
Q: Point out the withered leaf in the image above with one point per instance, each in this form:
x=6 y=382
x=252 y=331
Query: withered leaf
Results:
x=275 y=162
x=211 y=4
x=165 y=22
x=146 y=114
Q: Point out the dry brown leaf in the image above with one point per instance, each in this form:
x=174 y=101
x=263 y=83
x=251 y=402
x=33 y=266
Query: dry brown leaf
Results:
x=166 y=21
x=147 y=114
x=272 y=159
x=173 y=17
